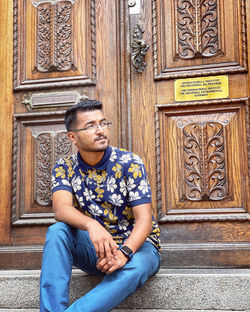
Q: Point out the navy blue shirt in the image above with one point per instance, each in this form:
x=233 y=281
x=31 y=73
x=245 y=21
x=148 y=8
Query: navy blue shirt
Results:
x=108 y=191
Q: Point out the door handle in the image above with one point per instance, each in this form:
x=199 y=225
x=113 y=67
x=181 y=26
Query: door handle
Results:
x=139 y=48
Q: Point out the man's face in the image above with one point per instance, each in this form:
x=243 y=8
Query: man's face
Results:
x=96 y=139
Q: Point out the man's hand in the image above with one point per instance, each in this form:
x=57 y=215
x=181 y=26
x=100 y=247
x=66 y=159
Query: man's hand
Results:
x=105 y=246
x=113 y=265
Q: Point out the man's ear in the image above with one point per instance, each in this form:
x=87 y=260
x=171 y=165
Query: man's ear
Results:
x=72 y=137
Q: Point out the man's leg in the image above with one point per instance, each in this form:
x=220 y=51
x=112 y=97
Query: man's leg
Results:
x=64 y=246
x=120 y=284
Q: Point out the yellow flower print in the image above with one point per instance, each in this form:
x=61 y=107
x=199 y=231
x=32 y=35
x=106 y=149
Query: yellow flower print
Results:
x=128 y=212
x=92 y=174
x=60 y=172
x=108 y=211
x=100 y=178
x=100 y=192
x=117 y=169
x=136 y=171
x=110 y=228
x=87 y=214
x=107 y=207
x=118 y=240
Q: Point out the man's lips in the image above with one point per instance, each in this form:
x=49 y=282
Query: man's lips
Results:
x=101 y=138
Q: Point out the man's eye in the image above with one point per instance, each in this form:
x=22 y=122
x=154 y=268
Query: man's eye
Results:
x=103 y=123
x=90 y=127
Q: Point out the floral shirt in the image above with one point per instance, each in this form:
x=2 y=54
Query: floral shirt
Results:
x=108 y=191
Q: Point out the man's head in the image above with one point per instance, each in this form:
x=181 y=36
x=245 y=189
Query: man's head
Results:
x=81 y=106
x=87 y=128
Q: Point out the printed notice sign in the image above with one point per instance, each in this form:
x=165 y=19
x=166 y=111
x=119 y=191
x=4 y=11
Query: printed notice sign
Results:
x=202 y=88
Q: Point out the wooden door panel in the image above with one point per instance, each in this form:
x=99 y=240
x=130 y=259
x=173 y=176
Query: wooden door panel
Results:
x=57 y=61
x=54 y=44
x=203 y=160
x=194 y=38
x=39 y=140
x=201 y=148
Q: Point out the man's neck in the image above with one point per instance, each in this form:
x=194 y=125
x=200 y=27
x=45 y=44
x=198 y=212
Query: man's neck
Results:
x=92 y=158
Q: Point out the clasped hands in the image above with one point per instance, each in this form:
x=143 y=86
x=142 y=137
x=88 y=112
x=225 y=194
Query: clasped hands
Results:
x=110 y=258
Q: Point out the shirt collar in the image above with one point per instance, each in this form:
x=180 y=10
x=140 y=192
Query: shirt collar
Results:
x=100 y=166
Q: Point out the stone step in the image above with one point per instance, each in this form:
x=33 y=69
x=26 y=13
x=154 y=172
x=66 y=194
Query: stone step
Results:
x=185 y=290
x=122 y=310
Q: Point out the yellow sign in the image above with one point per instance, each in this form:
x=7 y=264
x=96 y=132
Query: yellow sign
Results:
x=202 y=88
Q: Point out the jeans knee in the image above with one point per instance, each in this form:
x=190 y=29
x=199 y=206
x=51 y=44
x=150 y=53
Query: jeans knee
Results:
x=58 y=231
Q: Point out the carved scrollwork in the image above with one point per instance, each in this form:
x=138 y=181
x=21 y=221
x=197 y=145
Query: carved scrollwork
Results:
x=50 y=146
x=54 y=36
x=43 y=169
x=44 y=38
x=139 y=48
x=204 y=162
x=62 y=145
x=197 y=28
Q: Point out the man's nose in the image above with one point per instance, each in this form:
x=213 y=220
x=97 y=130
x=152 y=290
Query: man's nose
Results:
x=99 y=128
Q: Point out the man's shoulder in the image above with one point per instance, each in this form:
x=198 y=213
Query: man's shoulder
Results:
x=67 y=161
x=124 y=156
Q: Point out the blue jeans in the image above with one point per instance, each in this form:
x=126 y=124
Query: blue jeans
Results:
x=66 y=246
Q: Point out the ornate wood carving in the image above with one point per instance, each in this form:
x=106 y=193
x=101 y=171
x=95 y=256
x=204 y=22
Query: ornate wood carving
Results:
x=204 y=161
x=187 y=34
x=39 y=140
x=49 y=146
x=195 y=158
x=197 y=28
x=138 y=49
x=54 y=37
x=43 y=164
x=62 y=50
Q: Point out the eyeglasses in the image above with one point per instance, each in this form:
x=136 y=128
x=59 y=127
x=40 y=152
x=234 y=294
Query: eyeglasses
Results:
x=93 y=127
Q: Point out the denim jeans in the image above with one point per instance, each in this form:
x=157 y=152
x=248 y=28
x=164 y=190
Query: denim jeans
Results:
x=66 y=246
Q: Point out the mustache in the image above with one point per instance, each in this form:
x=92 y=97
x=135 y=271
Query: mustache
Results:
x=101 y=137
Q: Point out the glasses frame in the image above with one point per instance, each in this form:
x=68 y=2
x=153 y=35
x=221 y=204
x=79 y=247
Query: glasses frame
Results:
x=103 y=124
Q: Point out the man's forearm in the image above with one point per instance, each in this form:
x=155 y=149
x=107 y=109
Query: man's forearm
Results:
x=139 y=234
x=73 y=217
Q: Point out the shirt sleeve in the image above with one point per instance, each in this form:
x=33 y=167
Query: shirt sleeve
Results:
x=60 y=179
x=137 y=183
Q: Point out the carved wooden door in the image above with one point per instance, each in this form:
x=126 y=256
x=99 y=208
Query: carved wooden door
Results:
x=131 y=55
x=63 y=50
x=196 y=149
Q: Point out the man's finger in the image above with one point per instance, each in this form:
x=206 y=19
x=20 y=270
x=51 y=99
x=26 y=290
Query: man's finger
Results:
x=108 y=251
x=114 y=249
x=101 y=250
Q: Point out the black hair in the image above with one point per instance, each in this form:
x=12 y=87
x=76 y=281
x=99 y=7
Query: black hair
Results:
x=81 y=106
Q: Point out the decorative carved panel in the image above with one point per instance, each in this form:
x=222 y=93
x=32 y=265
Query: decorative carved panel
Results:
x=199 y=37
x=54 y=36
x=39 y=140
x=54 y=43
x=200 y=153
x=197 y=28
x=204 y=161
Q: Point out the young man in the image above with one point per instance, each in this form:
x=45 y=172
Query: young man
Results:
x=102 y=200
